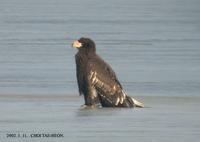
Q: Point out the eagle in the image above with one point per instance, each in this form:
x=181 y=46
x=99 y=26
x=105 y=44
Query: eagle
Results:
x=97 y=81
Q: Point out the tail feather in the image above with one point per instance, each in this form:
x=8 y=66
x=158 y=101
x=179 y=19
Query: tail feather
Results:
x=134 y=102
x=131 y=102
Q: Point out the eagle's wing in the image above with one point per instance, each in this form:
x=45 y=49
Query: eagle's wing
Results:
x=102 y=77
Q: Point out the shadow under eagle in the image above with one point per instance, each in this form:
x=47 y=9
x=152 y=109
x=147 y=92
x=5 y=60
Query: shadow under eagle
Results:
x=96 y=79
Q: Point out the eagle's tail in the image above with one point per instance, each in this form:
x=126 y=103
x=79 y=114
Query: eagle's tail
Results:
x=132 y=102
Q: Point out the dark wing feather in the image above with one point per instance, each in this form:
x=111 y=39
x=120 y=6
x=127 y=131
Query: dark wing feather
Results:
x=103 y=78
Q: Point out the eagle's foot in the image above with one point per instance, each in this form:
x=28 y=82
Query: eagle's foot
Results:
x=88 y=106
x=84 y=106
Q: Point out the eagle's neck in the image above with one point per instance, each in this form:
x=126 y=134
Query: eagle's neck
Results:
x=86 y=54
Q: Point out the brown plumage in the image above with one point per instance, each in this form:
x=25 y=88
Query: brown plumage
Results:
x=96 y=79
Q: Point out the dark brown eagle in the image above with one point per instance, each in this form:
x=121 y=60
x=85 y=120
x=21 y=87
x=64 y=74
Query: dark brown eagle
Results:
x=96 y=79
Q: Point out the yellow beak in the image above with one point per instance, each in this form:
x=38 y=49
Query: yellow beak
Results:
x=76 y=44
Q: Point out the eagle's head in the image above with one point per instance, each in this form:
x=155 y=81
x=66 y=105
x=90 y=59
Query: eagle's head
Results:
x=84 y=45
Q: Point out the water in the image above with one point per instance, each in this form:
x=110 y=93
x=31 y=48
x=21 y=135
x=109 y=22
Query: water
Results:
x=153 y=46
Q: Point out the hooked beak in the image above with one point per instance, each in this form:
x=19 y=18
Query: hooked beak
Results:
x=76 y=44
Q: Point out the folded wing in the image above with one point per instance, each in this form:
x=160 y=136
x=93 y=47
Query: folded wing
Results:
x=102 y=77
